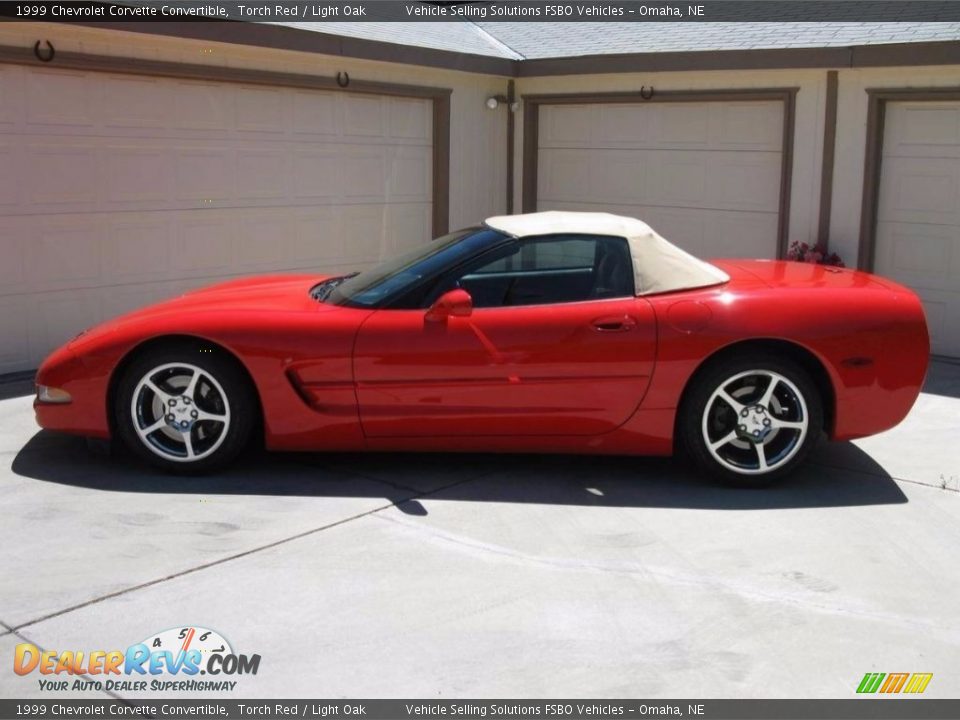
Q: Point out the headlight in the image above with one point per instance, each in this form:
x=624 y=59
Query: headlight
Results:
x=48 y=394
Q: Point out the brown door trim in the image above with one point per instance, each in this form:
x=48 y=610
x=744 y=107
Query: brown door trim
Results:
x=829 y=154
x=440 y=224
x=877 y=99
x=440 y=98
x=511 y=141
x=787 y=95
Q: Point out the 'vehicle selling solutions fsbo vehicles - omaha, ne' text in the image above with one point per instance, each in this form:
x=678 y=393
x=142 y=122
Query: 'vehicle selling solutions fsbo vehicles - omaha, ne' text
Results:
x=546 y=332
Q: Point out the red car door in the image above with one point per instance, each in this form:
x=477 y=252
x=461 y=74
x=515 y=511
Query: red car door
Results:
x=578 y=368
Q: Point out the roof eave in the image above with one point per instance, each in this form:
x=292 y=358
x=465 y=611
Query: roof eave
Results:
x=946 y=52
x=281 y=37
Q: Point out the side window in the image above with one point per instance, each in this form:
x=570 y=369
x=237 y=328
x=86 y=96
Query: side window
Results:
x=548 y=270
x=571 y=254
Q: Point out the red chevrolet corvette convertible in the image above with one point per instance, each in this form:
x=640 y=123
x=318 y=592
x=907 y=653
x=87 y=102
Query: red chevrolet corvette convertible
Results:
x=548 y=332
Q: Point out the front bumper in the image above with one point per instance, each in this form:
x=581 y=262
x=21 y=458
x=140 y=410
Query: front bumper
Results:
x=86 y=412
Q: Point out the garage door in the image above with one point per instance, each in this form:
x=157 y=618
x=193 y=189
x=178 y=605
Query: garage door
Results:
x=918 y=216
x=704 y=175
x=118 y=190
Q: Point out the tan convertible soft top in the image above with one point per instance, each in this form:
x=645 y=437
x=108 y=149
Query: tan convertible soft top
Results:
x=658 y=265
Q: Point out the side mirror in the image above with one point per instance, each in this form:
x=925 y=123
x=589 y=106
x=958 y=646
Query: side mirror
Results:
x=454 y=303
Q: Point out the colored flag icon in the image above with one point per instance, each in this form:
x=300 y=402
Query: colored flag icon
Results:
x=894 y=683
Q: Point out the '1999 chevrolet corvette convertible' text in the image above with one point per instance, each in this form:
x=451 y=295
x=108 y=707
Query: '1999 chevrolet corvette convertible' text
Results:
x=547 y=332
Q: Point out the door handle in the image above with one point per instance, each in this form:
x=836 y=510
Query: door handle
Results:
x=614 y=323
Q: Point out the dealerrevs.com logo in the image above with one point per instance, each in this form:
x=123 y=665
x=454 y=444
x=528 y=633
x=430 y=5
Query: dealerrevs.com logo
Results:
x=171 y=660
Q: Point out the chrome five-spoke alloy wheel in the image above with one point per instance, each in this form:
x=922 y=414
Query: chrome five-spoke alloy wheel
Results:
x=754 y=422
x=180 y=412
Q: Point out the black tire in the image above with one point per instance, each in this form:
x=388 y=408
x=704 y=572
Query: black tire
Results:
x=223 y=390
x=739 y=461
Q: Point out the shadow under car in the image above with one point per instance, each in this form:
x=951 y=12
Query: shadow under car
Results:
x=403 y=479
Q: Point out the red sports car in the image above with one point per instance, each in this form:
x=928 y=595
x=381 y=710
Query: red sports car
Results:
x=549 y=332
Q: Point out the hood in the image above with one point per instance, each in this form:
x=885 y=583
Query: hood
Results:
x=266 y=293
x=256 y=289
x=262 y=292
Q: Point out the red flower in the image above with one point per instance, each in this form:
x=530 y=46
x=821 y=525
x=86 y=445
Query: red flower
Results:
x=803 y=252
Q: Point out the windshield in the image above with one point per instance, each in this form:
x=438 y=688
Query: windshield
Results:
x=399 y=274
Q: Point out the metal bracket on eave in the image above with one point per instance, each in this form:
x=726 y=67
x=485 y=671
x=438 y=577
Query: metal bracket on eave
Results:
x=162 y=68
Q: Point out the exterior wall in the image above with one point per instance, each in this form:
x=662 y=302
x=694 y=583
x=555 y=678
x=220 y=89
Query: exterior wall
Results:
x=477 y=135
x=808 y=137
x=851 y=140
x=847 y=191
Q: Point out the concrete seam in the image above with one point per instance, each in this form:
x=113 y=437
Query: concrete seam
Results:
x=224 y=560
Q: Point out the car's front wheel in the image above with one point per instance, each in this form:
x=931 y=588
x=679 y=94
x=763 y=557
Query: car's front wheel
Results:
x=751 y=419
x=187 y=410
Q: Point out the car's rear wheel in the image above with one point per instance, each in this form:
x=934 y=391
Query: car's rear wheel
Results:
x=751 y=419
x=187 y=410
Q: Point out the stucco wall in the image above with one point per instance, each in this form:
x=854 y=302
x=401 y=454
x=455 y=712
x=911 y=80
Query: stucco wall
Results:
x=808 y=140
x=477 y=135
x=851 y=139
x=847 y=190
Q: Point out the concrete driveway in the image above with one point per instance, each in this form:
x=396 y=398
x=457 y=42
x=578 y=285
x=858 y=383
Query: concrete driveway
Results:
x=497 y=576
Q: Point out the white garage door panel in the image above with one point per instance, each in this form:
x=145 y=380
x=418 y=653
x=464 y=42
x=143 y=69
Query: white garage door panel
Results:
x=706 y=175
x=14 y=350
x=921 y=255
x=51 y=101
x=717 y=180
x=713 y=125
x=922 y=130
x=918 y=215
x=59 y=175
x=920 y=190
x=121 y=190
x=64 y=252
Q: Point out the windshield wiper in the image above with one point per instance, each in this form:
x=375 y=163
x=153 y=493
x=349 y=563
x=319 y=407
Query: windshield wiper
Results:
x=322 y=291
